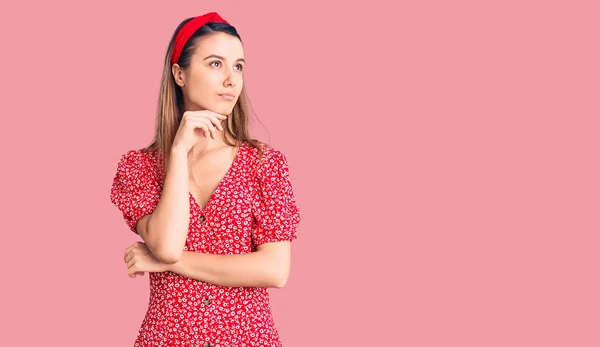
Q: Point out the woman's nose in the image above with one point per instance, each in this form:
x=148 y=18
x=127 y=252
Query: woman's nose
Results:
x=230 y=78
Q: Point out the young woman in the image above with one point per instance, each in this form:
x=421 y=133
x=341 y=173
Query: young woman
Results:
x=215 y=209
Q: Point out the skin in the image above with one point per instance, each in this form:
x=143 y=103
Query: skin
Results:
x=208 y=160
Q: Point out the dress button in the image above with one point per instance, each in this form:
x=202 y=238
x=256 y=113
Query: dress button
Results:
x=206 y=344
x=201 y=219
x=206 y=302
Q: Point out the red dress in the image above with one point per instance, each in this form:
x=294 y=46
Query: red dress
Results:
x=252 y=204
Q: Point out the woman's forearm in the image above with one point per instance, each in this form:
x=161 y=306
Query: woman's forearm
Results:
x=256 y=269
x=168 y=225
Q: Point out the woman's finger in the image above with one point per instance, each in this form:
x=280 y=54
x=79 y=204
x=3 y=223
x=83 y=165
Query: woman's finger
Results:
x=204 y=125
x=209 y=126
x=128 y=249
x=205 y=131
x=130 y=263
x=218 y=115
x=130 y=255
x=208 y=113
x=217 y=121
x=213 y=118
x=213 y=132
x=132 y=270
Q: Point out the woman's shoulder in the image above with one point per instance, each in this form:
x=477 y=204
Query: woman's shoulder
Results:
x=139 y=156
x=263 y=150
x=138 y=161
x=267 y=159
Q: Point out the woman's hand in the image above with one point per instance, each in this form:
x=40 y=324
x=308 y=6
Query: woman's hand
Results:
x=139 y=259
x=194 y=125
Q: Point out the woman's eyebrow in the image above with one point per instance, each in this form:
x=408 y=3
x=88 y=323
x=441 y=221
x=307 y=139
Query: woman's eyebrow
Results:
x=220 y=57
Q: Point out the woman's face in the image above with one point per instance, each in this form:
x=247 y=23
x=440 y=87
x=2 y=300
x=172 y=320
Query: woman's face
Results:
x=216 y=68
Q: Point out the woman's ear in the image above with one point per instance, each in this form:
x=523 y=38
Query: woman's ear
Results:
x=178 y=75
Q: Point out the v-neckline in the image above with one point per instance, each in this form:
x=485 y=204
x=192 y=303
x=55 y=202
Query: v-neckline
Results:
x=221 y=182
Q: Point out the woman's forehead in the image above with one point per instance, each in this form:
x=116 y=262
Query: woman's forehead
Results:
x=224 y=45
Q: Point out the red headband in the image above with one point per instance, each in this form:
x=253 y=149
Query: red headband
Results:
x=189 y=29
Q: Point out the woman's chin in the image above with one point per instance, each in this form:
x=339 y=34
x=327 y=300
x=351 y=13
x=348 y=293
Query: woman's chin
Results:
x=222 y=110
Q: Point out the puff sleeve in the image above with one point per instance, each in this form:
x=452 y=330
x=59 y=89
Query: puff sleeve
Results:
x=135 y=190
x=275 y=210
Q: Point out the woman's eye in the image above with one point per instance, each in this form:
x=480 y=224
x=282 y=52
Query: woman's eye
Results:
x=240 y=66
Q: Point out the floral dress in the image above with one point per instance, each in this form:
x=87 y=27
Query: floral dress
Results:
x=253 y=204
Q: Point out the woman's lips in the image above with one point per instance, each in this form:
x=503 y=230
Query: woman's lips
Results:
x=227 y=96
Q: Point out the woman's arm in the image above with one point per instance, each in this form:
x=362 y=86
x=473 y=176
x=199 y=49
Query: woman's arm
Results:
x=268 y=266
x=165 y=230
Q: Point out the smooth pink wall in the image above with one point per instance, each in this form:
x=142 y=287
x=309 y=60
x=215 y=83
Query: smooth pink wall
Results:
x=444 y=156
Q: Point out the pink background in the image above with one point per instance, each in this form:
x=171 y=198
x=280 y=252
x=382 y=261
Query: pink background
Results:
x=444 y=156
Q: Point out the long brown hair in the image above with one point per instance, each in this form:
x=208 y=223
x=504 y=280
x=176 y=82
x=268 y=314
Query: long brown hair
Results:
x=170 y=102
